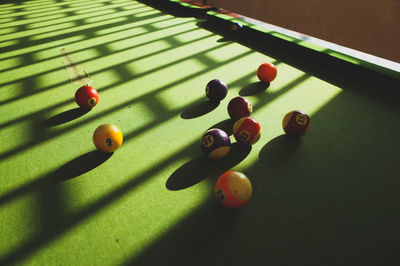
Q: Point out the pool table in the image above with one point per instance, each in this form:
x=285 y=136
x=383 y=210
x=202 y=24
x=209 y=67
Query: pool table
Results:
x=330 y=197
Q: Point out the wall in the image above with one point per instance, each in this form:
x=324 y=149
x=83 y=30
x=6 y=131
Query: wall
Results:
x=371 y=26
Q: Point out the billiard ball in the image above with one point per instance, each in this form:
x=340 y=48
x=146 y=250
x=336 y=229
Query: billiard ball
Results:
x=236 y=26
x=267 y=72
x=86 y=97
x=296 y=123
x=215 y=143
x=239 y=107
x=107 y=138
x=216 y=90
x=247 y=131
x=233 y=189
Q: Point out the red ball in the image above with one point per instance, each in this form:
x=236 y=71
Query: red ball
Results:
x=233 y=189
x=86 y=97
x=247 y=131
x=267 y=72
x=239 y=107
x=296 y=123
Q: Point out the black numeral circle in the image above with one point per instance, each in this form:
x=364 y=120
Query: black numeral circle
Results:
x=301 y=119
x=208 y=140
x=109 y=142
x=244 y=135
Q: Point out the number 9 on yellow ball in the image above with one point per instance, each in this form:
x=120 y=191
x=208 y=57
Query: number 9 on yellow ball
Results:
x=107 y=138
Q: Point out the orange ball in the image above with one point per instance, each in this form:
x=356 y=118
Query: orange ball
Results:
x=296 y=123
x=267 y=72
x=107 y=138
x=233 y=189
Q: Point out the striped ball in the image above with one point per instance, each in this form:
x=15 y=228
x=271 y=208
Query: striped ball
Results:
x=215 y=143
x=296 y=123
x=247 y=131
x=233 y=189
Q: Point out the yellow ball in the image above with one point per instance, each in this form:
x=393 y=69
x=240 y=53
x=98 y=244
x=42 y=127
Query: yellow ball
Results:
x=107 y=138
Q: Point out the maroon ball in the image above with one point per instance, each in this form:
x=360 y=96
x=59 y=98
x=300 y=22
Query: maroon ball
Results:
x=216 y=90
x=239 y=107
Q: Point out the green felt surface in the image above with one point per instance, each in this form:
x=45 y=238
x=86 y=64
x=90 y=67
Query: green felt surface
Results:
x=330 y=198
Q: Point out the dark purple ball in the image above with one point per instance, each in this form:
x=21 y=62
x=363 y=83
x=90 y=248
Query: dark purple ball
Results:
x=215 y=143
x=216 y=90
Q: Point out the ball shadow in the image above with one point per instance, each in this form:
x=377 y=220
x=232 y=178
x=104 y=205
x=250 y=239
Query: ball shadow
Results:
x=226 y=125
x=254 y=88
x=65 y=117
x=81 y=165
x=199 y=109
x=200 y=168
x=225 y=39
x=279 y=150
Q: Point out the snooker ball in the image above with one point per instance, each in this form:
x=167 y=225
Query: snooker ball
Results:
x=107 y=138
x=233 y=189
x=236 y=26
x=86 y=97
x=247 y=131
x=215 y=143
x=216 y=90
x=266 y=72
x=296 y=123
x=239 y=107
